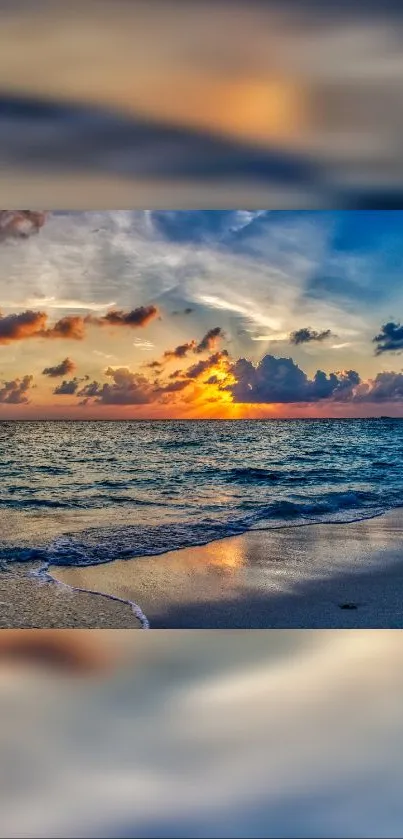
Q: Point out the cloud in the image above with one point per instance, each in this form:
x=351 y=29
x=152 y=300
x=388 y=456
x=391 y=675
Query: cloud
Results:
x=181 y=351
x=306 y=335
x=341 y=346
x=67 y=303
x=386 y=387
x=280 y=380
x=20 y=224
x=187 y=311
x=30 y=324
x=261 y=280
x=103 y=354
x=209 y=342
x=90 y=390
x=135 y=318
x=145 y=346
x=127 y=388
x=173 y=387
x=390 y=338
x=15 y=392
x=201 y=367
x=24 y=325
x=154 y=365
x=66 y=366
x=58 y=303
x=67 y=387
x=71 y=327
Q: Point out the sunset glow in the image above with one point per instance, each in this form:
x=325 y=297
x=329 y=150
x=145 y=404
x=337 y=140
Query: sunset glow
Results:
x=199 y=315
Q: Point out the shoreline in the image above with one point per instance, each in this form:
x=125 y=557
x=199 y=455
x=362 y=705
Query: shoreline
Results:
x=347 y=575
x=344 y=575
x=29 y=602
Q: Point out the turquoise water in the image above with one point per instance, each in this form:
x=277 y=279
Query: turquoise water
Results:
x=116 y=489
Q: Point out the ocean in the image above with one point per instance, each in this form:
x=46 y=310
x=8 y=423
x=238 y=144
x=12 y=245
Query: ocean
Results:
x=83 y=493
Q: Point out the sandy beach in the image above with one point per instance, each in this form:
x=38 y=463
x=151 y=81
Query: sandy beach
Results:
x=316 y=576
x=26 y=603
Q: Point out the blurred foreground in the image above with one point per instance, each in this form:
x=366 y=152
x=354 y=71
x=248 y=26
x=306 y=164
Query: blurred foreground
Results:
x=228 y=734
x=167 y=103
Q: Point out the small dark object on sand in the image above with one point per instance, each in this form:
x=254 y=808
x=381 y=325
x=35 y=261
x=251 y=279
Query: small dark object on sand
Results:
x=348 y=605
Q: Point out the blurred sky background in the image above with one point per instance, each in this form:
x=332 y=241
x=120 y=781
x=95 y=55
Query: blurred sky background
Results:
x=168 y=103
x=213 y=734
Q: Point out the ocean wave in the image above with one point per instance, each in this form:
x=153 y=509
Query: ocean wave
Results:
x=252 y=475
x=166 y=486
x=21 y=503
x=93 y=502
x=99 y=545
x=181 y=444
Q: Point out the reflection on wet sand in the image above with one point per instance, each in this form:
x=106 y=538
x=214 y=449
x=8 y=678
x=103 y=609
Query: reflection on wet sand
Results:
x=299 y=577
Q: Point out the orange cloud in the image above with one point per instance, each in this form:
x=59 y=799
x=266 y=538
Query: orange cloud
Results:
x=207 y=343
x=179 y=352
x=207 y=366
x=135 y=318
x=30 y=324
x=24 y=325
x=69 y=327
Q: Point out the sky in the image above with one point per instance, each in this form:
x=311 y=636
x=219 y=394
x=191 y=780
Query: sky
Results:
x=200 y=314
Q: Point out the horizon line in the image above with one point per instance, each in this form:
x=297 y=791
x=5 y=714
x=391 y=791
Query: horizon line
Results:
x=201 y=419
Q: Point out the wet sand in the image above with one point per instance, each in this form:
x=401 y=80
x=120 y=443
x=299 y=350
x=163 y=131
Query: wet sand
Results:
x=316 y=576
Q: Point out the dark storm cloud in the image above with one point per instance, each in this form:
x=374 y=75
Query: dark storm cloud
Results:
x=68 y=387
x=280 y=380
x=306 y=335
x=15 y=391
x=63 y=369
x=20 y=224
x=390 y=338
